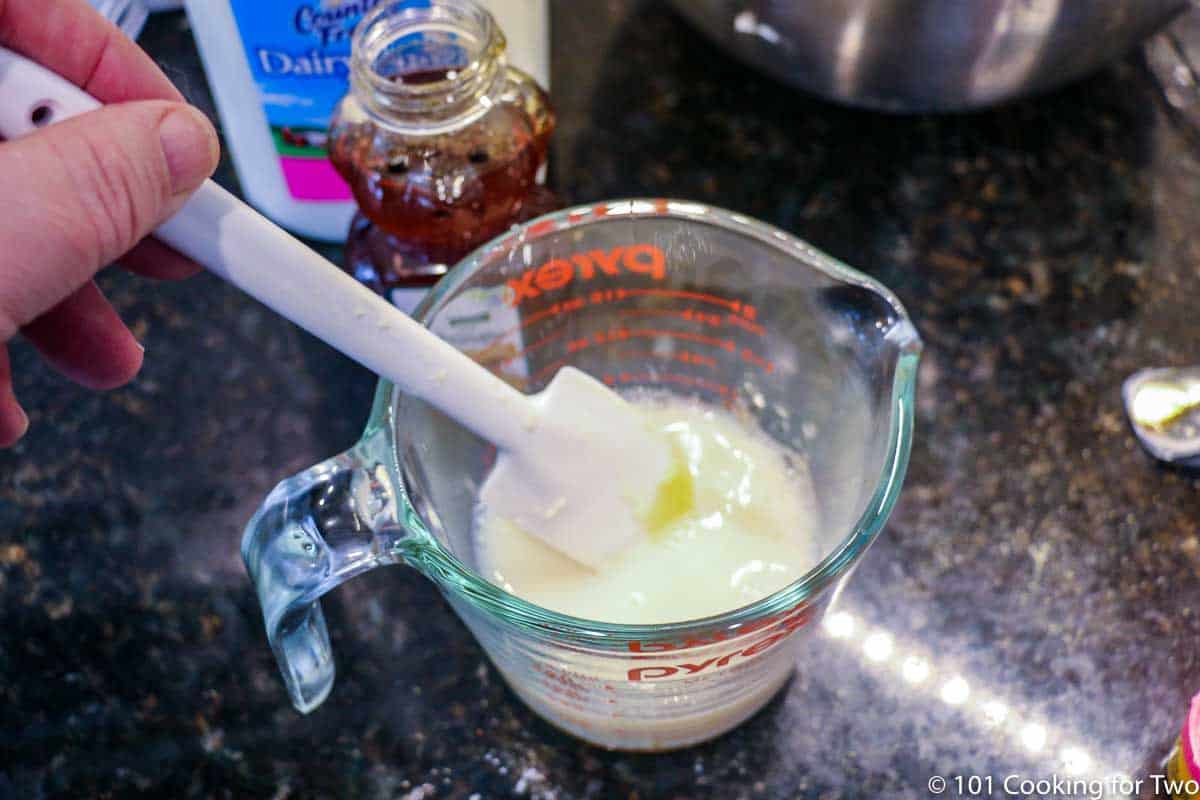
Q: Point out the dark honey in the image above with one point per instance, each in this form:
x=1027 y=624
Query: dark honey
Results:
x=442 y=159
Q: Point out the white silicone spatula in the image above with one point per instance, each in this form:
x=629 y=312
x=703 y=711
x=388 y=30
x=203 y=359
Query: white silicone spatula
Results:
x=574 y=453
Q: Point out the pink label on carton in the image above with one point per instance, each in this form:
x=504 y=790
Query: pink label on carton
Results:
x=1191 y=739
x=314 y=179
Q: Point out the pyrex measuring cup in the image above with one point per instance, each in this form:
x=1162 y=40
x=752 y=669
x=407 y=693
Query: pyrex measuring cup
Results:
x=659 y=294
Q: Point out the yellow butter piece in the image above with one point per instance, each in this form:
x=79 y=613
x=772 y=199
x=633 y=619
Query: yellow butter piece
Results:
x=676 y=497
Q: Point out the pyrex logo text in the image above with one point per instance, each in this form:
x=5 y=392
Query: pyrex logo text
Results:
x=557 y=273
x=791 y=621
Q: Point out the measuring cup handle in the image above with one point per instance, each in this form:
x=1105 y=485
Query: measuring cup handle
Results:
x=314 y=531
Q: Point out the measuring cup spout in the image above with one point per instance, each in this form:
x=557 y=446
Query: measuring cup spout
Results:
x=314 y=531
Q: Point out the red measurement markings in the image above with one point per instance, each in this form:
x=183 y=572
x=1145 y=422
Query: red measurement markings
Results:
x=624 y=334
x=683 y=357
x=739 y=321
x=540 y=343
x=754 y=358
x=698 y=296
x=712 y=341
x=567 y=306
x=702 y=317
x=688 y=314
x=624 y=207
x=537 y=229
x=614 y=335
x=737 y=306
x=548 y=370
x=690 y=381
x=600 y=296
x=742 y=314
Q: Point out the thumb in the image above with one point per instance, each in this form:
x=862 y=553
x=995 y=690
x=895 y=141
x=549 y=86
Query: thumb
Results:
x=79 y=194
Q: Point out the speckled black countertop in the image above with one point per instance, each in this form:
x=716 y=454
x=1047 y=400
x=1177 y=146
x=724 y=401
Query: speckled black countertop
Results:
x=1046 y=250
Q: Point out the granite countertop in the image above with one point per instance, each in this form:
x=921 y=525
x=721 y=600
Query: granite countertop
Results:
x=1046 y=250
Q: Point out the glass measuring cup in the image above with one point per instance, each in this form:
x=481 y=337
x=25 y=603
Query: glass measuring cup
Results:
x=659 y=294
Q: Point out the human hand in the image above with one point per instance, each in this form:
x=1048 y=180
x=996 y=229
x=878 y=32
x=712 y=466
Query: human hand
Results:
x=85 y=192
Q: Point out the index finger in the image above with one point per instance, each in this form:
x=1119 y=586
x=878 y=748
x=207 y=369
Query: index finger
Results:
x=72 y=39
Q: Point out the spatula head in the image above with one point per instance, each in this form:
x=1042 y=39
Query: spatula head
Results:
x=593 y=476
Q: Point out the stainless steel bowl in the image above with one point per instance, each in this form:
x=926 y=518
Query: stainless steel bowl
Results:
x=928 y=55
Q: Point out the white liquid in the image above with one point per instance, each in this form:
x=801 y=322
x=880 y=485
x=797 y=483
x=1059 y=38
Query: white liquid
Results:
x=751 y=532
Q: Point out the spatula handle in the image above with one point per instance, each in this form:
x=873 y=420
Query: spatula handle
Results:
x=222 y=233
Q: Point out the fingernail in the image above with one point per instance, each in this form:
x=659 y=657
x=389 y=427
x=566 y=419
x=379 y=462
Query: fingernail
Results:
x=189 y=144
x=22 y=428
